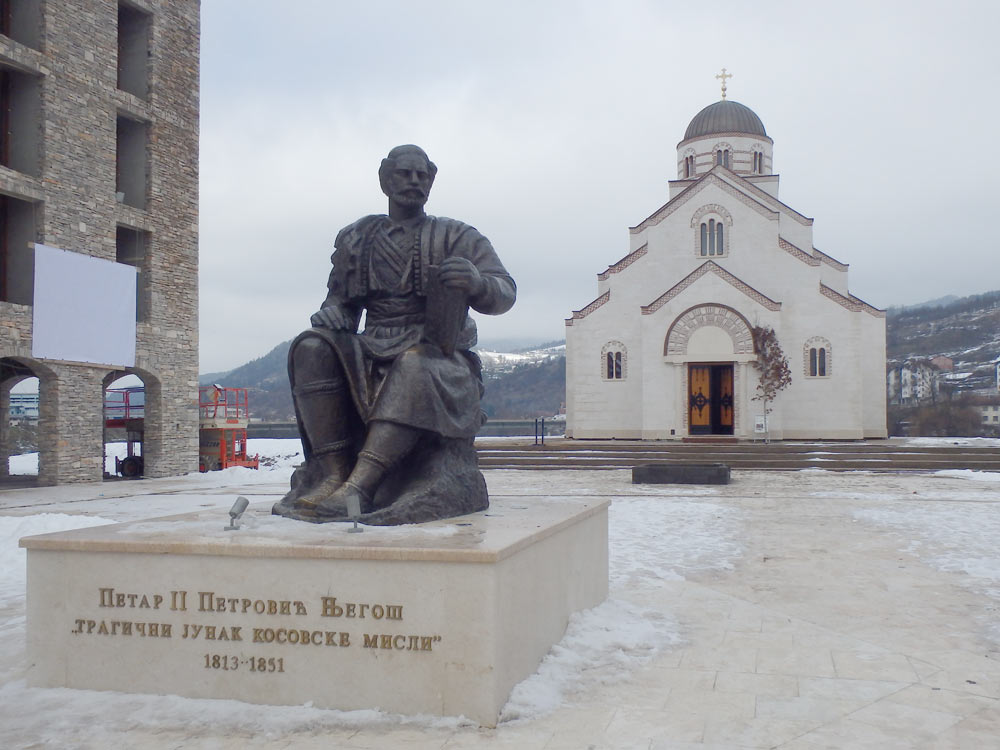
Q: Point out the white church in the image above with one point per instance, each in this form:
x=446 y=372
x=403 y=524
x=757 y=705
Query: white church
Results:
x=665 y=350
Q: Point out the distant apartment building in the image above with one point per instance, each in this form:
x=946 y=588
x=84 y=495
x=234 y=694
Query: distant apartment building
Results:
x=99 y=171
x=915 y=381
x=991 y=416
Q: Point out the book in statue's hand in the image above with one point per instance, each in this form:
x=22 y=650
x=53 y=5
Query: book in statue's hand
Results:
x=445 y=314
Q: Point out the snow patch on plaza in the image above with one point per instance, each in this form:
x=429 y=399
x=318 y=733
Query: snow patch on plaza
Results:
x=602 y=646
x=13 y=558
x=954 y=537
x=666 y=538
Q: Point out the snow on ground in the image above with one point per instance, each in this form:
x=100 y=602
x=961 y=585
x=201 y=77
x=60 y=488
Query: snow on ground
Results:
x=12 y=557
x=977 y=476
x=601 y=646
x=958 y=536
x=656 y=534
x=656 y=541
x=972 y=442
x=273 y=453
x=648 y=542
x=25 y=463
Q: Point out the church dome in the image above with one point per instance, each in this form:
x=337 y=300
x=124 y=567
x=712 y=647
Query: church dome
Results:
x=725 y=117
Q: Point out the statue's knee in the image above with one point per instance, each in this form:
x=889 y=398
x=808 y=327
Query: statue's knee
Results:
x=314 y=357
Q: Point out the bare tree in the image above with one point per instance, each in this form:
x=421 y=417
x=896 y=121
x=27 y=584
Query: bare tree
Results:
x=772 y=365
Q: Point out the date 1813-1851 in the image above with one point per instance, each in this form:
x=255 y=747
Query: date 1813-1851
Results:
x=258 y=664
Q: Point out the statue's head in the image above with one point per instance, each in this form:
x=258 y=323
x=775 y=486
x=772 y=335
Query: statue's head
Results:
x=406 y=176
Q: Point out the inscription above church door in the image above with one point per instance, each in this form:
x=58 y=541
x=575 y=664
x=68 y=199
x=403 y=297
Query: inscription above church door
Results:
x=710 y=399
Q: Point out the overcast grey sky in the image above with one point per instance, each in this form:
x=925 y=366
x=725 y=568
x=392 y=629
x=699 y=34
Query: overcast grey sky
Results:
x=554 y=125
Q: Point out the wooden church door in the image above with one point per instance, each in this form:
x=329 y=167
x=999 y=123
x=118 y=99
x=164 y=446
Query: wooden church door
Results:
x=710 y=399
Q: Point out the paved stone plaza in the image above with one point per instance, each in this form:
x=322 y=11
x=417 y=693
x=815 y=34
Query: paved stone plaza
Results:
x=798 y=610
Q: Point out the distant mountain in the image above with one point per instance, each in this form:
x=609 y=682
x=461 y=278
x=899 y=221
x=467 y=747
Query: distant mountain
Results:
x=527 y=390
x=939 y=302
x=513 y=344
x=514 y=390
x=496 y=363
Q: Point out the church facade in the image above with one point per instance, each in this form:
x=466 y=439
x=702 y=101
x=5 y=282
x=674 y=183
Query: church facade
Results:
x=666 y=349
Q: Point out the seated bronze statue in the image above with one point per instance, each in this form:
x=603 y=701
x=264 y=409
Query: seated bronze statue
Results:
x=388 y=415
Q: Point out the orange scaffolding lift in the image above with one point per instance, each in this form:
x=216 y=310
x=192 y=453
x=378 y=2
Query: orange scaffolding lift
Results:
x=224 y=414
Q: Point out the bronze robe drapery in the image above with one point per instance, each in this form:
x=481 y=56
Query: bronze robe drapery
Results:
x=380 y=266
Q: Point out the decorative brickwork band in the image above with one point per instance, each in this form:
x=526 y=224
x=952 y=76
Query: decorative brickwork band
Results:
x=728 y=134
x=711 y=208
x=852 y=304
x=870 y=309
x=624 y=263
x=770 y=200
x=830 y=261
x=718 y=316
x=795 y=252
x=578 y=314
x=709 y=179
x=706 y=267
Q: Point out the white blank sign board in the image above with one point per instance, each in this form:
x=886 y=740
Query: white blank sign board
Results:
x=84 y=309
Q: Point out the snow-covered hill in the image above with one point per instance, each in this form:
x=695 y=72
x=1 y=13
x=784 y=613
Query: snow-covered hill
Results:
x=495 y=363
x=966 y=330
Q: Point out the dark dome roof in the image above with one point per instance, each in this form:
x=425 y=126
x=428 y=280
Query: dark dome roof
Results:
x=725 y=117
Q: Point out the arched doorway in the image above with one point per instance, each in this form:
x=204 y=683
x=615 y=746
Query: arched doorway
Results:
x=124 y=420
x=24 y=419
x=710 y=342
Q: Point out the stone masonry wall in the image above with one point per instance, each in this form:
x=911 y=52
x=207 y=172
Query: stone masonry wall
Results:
x=77 y=209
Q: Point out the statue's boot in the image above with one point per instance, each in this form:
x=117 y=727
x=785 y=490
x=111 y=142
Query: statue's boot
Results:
x=333 y=467
x=337 y=507
x=386 y=445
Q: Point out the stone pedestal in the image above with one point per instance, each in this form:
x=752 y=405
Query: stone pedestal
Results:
x=440 y=618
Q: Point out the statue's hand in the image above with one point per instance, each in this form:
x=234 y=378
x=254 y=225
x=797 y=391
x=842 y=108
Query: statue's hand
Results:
x=460 y=273
x=334 y=317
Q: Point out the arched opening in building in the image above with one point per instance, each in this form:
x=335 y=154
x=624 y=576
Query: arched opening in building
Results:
x=124 y=425
x=20 y=422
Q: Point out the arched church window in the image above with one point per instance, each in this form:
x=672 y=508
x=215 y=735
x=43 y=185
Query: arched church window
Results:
x=613 y=361
x=817 y=357
x=689 y=166
x=712 y=238
x=711 y=227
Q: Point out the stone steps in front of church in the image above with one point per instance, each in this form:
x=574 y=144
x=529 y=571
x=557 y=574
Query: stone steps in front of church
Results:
x=858 y=456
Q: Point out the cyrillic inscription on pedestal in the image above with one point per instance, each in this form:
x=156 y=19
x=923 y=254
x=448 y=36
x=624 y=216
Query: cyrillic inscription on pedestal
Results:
x=440 y=618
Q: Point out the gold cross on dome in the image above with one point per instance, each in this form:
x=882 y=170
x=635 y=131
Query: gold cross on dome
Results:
x=723 y=76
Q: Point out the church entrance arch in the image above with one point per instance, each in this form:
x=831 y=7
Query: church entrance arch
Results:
x=710 y=341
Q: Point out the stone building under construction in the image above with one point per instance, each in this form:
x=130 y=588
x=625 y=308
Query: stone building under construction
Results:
x=99 y=174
